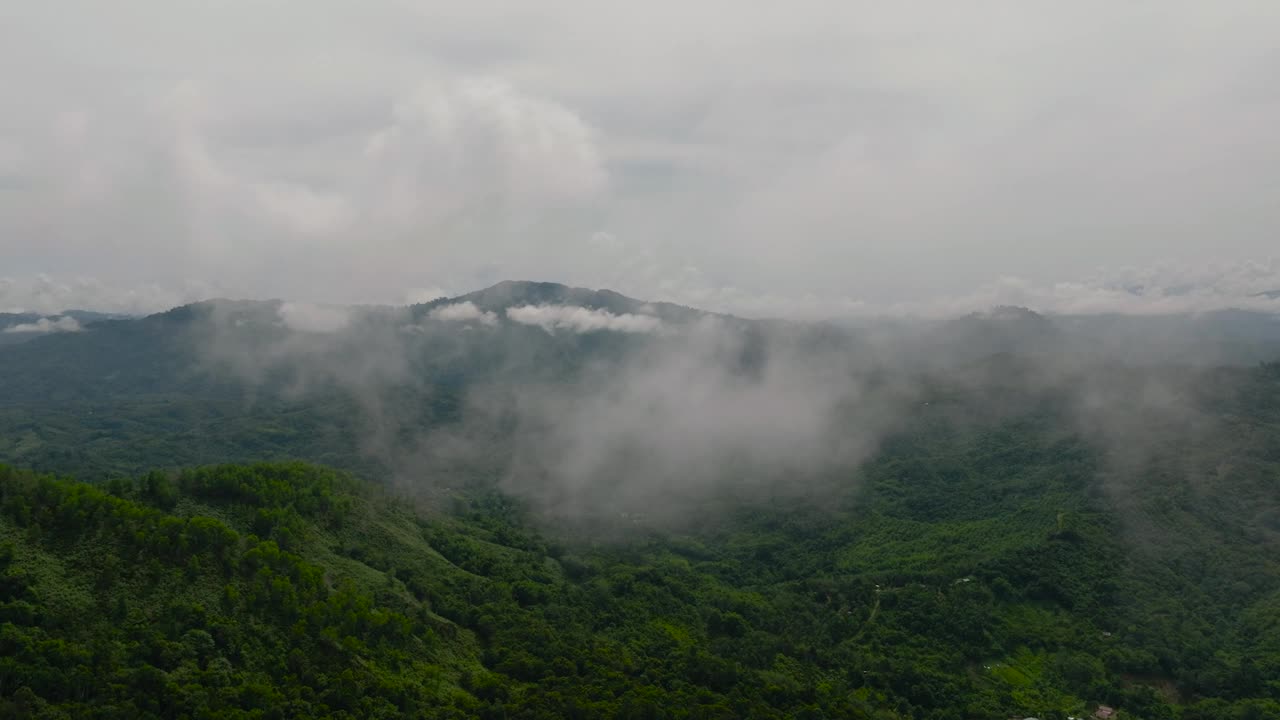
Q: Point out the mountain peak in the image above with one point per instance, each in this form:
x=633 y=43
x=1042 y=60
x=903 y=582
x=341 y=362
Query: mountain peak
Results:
x=515 y=293
x=510 y=293
x=1014 y=313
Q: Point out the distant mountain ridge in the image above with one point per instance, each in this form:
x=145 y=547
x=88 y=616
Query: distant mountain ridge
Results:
x=514 y=293
x=1238 y=337
x=84 y=317
x=23 y=326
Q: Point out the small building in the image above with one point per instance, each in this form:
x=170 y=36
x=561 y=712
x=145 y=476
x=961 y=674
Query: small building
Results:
x=1103 y=712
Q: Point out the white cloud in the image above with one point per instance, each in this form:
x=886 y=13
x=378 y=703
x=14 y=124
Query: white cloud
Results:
x=306 y=317
x=52 y=295
x=453 y=143
x=581 y=320
x=1167 y=288
x=65 y=323
x=418 y=296
x=464 y=312
x=678 y=420
x=887 y=154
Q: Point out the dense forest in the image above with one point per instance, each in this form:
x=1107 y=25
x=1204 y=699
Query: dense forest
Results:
x=978 y=564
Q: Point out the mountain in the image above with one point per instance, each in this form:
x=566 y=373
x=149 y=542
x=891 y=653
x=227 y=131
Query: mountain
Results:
x=20 y=327
x=299 y=511
x=514 y=293
x=1004 y=329
x=1236 y=337
x=220 y=379
x=980 y=573
x=233 y=380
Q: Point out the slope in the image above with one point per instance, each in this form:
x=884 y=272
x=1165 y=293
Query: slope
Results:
x=979 y=569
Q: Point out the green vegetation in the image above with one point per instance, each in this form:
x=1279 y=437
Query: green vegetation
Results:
x=969 y=574
x=994 y=558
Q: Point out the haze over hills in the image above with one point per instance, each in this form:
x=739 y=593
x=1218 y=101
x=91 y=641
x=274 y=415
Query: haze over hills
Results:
x=512 y=293
x=912 y=362
x=276 y=358
x=1229 y=335
x=20 y=327
x=568 y=502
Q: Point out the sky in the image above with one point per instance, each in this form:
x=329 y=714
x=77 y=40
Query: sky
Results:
x=801 y=159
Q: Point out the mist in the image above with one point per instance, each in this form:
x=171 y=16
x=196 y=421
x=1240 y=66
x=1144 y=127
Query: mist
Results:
x=664 y=359
x=46 y=325
x=805 y=162
x=588 y=415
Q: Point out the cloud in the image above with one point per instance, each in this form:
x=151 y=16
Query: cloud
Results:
x=664 y=429
x=659 y=429
x=581 y=320
x=50 y=295
x=306 y=317
x=1166 y=288
x=828 y=151
x=688 y=414
x=453 y=143
x=418 y=296
x=452 y=160
x=464 y=312
x=65 y=323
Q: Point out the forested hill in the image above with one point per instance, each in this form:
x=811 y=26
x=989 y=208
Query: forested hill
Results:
x=244 y=380
x=601 y=507
x=968 y=575
x=18 y=328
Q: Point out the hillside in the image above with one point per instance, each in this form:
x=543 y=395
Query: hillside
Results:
x=725 y=518
x=961 y=575
x=20 y=327
x=233 y=381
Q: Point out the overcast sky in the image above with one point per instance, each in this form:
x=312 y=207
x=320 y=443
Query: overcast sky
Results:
x=802 y=158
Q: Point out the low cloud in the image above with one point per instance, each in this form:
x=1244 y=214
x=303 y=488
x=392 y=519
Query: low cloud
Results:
x=581 y=320
x=688 y=417
x=1169 y=288
x=1165 y=289
x=580 y=432
x=305 y=317
x=47 y=325
x=52 y=295
x=421 y=295
x=685 y=417
x=464 y=312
